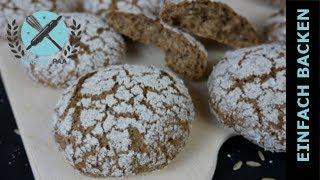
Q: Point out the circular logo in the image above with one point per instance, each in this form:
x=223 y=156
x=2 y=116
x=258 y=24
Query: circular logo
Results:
x=44 y=33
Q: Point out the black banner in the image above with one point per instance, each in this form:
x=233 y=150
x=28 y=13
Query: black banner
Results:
x=303 y=129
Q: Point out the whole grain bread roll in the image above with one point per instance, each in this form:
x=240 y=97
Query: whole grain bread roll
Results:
x=275 y=28
x=210 y=19
x=248 y=94
x=123 y=120
x=139 y=20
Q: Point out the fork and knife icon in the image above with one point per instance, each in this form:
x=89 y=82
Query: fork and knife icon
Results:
x=43 y=32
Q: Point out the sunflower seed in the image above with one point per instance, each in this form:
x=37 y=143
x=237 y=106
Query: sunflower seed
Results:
x=261 y=156
x=253 y=164
x=16 y=131
x=237 y=166
x=270 y=161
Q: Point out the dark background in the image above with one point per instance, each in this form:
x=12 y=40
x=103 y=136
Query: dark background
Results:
x=295 y=169
x=13 y=160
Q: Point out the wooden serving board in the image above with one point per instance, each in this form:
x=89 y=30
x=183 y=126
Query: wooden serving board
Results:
x=33 y=104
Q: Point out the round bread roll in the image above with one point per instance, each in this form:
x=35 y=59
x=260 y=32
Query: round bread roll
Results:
x=248 y=94
x=275 y=29
x=139 y=20
x=210 y=19
x=100 y=46
x=123 y=120
x=19 y=9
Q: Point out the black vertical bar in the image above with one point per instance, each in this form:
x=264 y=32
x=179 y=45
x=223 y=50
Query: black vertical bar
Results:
x=308 y=170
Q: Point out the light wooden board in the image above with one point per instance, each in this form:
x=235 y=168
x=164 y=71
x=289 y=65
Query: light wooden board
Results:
x=33 y=105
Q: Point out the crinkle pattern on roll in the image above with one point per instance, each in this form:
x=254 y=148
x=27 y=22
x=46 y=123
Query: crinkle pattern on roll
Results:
x=248 y=94
x=210 y=19
x=139 y=21
x=19 y=9
x=275 y=28
x=98 y=7
x=100 y=46
x=150 y=8
x=123 y=120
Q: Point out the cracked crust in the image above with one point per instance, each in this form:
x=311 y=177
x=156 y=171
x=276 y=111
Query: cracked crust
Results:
x=151 y=8
x=19 y=9
x=209 y=19
x=100 y=46
x=123 y=120
x=139 y=21
x=248 y=94
x=275 y=29
x=98 y=7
